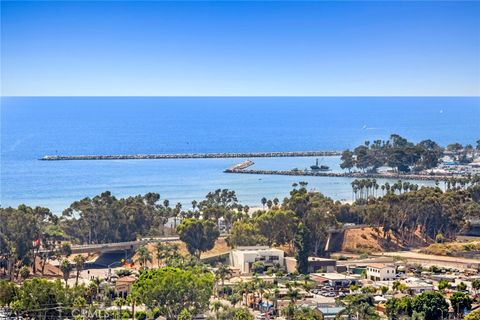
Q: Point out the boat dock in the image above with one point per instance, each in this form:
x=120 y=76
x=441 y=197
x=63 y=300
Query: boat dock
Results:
x=196 y=155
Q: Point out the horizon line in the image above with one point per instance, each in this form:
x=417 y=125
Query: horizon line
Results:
x=239 y=96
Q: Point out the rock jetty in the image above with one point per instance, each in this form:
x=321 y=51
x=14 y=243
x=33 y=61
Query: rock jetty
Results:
x=358 y=175
x=196 y=155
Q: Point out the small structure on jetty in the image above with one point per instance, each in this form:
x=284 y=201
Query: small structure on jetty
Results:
x=317 y=167
x=243 y=165
x=196 y=155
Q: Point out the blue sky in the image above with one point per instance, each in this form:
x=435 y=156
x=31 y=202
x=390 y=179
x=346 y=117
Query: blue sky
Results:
x=155 y=48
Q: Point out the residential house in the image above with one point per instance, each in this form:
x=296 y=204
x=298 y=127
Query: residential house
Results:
x=244 y=257
x=381 y=272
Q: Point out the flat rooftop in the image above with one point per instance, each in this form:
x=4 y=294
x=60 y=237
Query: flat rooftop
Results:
x=321 y=259
x=332 y=276
x=314 y=259
x=256 y=249
x=379 y=265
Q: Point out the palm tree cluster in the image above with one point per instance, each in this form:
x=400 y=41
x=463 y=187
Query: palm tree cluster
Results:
x=363 y=189
x=456 y=183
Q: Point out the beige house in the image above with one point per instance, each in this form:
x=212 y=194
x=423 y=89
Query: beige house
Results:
x=244 y=257
x=381 y=272
x=123 y=285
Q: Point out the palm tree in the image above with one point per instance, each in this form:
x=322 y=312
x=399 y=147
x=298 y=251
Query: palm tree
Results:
x=66 y=268
x=276 y=202
x=119 y=303
x=222 y=272
x=289 y=311
x=264 y=202
x=160 y=250
x=245 y=288
x=79 y=265
x=132 y=299
x=292 y=293
x=260 y=285
x=269 y=204
x=24 y=272
x=215 y=307
x=175 y=213
x=166 y=252
x=144 y=256
x=276 y=296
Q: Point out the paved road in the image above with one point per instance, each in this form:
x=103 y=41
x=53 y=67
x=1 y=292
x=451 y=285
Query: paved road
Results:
x=429 y=260
x=105 y=247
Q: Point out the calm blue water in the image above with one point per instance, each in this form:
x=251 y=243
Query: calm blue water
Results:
x=34 y=127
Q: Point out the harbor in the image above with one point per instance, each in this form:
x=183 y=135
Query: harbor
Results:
x=195 y=155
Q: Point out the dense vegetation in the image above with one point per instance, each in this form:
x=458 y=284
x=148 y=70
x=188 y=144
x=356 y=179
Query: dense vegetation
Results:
x=302 y=221
x=105 y=218
x=42 y=299
x=403 y=155
x=182 y=287
x=172 y=290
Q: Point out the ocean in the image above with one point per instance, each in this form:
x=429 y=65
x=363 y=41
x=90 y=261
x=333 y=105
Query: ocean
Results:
x=32 y=127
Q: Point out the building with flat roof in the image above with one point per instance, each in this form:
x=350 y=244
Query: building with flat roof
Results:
x=330 y=312
x=244 y=257
x=315 y=264
x=417 y=286
x=326 y=265
x=334 y=279
x=381 y=272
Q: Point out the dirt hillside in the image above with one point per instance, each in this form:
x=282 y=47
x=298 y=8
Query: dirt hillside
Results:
x=369 y=239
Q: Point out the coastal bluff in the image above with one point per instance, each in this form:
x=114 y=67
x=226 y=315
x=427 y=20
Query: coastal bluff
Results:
x=195 y=155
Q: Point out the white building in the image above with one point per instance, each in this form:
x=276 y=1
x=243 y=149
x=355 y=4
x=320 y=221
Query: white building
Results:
x=417 y=286
x=334 y=279
x=244 y=257
x=380 y=272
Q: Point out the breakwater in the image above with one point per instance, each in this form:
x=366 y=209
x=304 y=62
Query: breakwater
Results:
x=196 y=155
x=358 y=175
x=242 y=166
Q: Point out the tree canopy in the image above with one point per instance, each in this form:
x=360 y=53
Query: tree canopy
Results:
x=172 y=290
x=198 y=235
x=397 y=152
